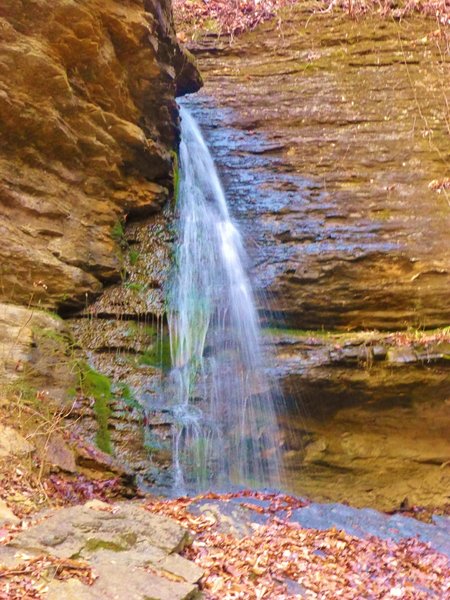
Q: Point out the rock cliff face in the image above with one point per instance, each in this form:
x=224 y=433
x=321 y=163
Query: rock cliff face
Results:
x=87 y=122
x=330 y=136
x=330 y=140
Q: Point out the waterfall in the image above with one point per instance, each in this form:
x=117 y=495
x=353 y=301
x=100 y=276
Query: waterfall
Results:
x=224 y=424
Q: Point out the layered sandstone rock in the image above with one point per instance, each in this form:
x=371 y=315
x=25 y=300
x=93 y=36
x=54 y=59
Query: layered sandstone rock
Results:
x=87 y=122
x=331 y=138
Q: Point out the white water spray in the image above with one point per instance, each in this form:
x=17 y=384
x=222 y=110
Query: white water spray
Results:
x=225 y=431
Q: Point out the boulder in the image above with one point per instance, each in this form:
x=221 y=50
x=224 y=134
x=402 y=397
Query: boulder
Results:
x=133 y=553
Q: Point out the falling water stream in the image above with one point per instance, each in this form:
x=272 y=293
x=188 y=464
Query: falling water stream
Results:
x=224 y=424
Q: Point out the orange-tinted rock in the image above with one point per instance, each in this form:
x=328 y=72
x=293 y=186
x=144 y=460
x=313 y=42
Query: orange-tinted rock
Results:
x=87 y=122
x=332 y=140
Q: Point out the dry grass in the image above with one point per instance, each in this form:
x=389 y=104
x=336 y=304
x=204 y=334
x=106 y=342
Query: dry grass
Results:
x=232 y=17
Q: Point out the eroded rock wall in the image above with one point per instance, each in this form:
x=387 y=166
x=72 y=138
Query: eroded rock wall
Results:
x=331 y=137
x=87 y=122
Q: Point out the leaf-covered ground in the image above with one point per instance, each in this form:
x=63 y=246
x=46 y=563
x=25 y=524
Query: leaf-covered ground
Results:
x=280 y=560
x=226 y=16
x=26 y=492
x=274 y=560
x=29 y=580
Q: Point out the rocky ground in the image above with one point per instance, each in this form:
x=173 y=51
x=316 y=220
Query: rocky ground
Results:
x=242 y=545
x=100 y=550
x=68 y=526
x=73 y=524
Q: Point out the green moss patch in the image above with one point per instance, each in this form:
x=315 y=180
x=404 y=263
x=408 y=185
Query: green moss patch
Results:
x=98 y=387
x=157 y=355
x=127 y=395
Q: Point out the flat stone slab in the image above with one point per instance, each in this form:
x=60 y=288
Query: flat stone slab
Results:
x=132 y=552
x=365 y=522
x=118 y=582
x=233 y=517
x=79 y=531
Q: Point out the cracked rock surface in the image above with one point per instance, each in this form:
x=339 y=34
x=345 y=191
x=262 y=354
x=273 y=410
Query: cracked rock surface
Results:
x=133 y=554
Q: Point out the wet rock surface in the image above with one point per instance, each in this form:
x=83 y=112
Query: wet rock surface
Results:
x=361 y=408
x=133 y=553
x=237 y=515
x=366 y=414
x=125 y=337
x=327 y=134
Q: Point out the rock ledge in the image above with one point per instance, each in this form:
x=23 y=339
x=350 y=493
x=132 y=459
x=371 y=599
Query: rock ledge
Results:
x=133 y=554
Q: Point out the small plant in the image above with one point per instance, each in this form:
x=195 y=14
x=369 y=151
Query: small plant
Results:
x=51 y=334
x=157 y=355
x=133 y=257
x=118 y=235
x=135 y=286
x=118 y=232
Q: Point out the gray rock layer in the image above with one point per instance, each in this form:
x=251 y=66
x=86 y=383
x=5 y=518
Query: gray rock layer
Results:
x=134 y=554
